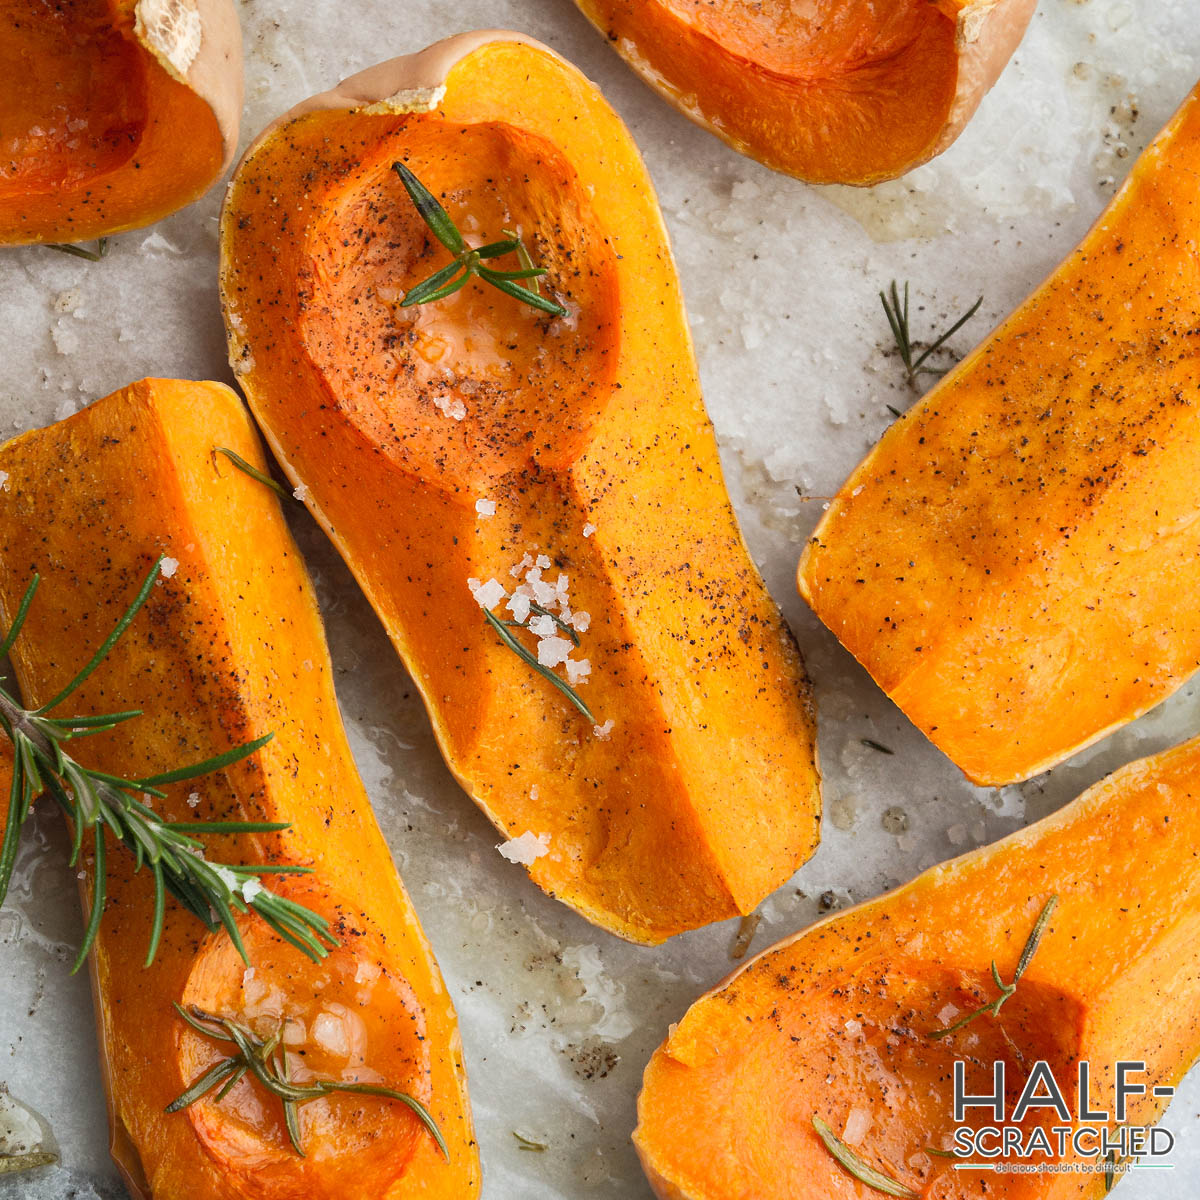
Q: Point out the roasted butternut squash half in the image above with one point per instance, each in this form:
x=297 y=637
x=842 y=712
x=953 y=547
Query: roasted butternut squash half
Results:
x=478 y=460
x=114 y=113
x=857 y=1022
x=1008 y=561
x=229 y=647
x=832 y=91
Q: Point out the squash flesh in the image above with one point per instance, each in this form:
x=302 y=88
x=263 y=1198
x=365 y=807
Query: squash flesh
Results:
x=92 y=143
x=228 y=648
x=837 y=1019
x=705 y=796
x=831 y=92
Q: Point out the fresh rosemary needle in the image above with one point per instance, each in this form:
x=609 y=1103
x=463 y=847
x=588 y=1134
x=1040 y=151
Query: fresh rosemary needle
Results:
x=861 y=1170
x=101 y=802
x=531 y=660
x=468 y=262
x=254 y=473
x=101 y=250
x=267 y=1060
x=1006 y=989
x=897 y=315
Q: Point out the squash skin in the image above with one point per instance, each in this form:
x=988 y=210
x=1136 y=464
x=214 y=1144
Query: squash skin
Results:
x=707 y=795
x=1115 y=976
x=1015 y=545
x=891 y=98
x=172 y=66
x=228 y=648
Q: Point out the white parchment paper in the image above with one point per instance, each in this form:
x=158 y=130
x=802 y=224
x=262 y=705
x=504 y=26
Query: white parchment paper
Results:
x=781 y=279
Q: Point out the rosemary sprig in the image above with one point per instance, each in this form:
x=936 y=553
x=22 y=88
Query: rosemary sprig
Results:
x=1006 y=989
x=254 y=473
x=96 y=255
x=861 y=1171
x=468 y=262
x=101 y=802
x=546 y=673
x=267 y=1060
x=897 y=315
x=872 y=744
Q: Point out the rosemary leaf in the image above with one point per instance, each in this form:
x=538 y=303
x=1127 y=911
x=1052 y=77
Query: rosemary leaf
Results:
x=524 y=1143
x=446 y=280
x=855 y=1166
x=267 y=1061
x=1006 y=989
x=897 y=311
x=871 y=744
x=254 y=473
x=523 y=654
x=101 y=250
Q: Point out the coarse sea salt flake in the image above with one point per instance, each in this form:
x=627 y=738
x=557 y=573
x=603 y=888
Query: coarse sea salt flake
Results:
x=577 y=671
x=227 y=877
x=526 y=849
x=485 y=508
x=542 y=626
x=603 y=732
x=543 y=562
x=581 y=621
x=301 y=492
x=517 y=571
x=193 y=799
x=487 y=595
x=3 y=481
x=250 y=889
x=519 y=607
x=589 y=529
x=553 y=651
x=168 y=567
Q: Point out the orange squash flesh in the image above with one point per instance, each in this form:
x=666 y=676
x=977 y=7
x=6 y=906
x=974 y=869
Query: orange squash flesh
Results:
x=1008 y=562
x=587 y=433
x=113 y=113
x=831 y=91
x=836 y=1020
x=228 y=648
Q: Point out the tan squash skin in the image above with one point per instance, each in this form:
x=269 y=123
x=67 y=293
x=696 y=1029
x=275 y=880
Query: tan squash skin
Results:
x=228 y=648
x=838 y=1017
x=157 y=86
x=590 y=436
x=837 y=91
x=1008 y=561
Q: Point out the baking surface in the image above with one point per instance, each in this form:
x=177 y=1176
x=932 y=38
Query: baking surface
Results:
x=781 y=281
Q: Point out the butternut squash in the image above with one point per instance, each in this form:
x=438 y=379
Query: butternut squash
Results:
x=832 y=91
x=479 y=439
x=228 y=648
x=853 y=1020
x=1008 y=561
x=115 y=112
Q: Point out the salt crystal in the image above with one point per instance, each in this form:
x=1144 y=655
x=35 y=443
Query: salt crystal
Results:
x=603 y=732
x=301 y=492
x=578 y=671
x=858 y=1124
x=518 y=605
x=329 y=1032
x=853 y=1027
x=454 y=408
x=543 y=562
x=168 y=567
x=193 y=799
x=589 y=529
x=544 y=594
x=553 y=650
x=533 y=792
x=542 y=626
x=581 y=621
x=517 y=571
x=485 y=508
x=247 y=976
x=250 y=889
x=3 y=481
x=487 y=595
x=526 y=849
x=227 y=877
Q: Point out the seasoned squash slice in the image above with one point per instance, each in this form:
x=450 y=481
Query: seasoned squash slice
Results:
x=858 y=1022
x=479 y=460
x=832 y=91
x=113 y=113
x=1009 y=561
x=229 y=647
